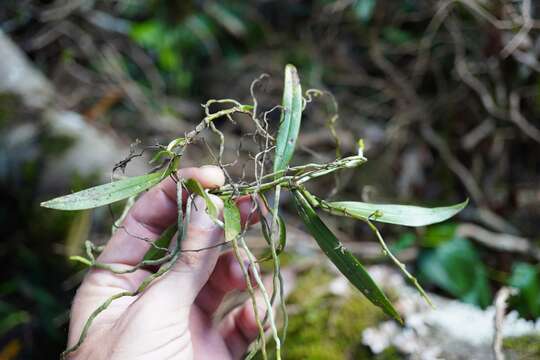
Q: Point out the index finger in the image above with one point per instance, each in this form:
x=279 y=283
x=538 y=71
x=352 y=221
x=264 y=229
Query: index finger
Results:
x=151 y=215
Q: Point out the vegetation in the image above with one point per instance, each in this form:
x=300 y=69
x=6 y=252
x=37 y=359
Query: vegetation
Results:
x=445 y=95
x=282 y=177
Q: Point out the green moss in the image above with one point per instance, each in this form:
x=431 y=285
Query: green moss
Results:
x=390 y=353
x=522 y=347
x=325 y=326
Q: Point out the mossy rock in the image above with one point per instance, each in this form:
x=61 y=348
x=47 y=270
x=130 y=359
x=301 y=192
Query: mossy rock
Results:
x=522 y=347
x=324 y=326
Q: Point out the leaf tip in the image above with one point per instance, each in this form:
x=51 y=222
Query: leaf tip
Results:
x=290 y=67
x=292 y=73
x=49 y=204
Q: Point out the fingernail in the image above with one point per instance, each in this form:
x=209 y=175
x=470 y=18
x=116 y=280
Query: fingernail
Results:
x=213 y=174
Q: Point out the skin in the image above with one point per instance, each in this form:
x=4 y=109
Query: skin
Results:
x=172 y=319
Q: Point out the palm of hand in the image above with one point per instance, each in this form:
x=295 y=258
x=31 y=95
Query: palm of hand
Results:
x=172 y=318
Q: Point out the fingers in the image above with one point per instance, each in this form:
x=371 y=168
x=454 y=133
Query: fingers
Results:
x=250 y=209
x=151 y=215
x=226 y=277
x=239 y=328
x=179 y=287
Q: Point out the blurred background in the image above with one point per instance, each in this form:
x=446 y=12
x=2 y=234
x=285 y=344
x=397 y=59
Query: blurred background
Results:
x=445 y=94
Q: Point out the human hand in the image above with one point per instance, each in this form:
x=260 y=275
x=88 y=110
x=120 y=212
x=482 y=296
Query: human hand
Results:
x=172 y=318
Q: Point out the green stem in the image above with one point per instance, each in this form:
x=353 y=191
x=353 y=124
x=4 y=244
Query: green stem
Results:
x=337 y=211
x=277 y=277
x=307 y=172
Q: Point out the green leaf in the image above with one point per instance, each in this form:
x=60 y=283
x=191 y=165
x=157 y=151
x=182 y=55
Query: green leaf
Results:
x=456 y=267
x=526 y=278
x=282 y=237
x=395 y=214
x=163 y=242
x=104 y=194
x=231 y=220
x=437 y=235
x=12 y=320
x=343 y=258
x=159 y=156
x=148 y=33
x=196 y=188
x=290 y=120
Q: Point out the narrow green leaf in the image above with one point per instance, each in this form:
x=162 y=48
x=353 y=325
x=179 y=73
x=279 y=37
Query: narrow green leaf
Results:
x=343 y=258
x=159 y=156
x=231 y=220
x=290 y=120
x=104 y=194
x=163 y=241
x=282 y=237
x=196 y=188
x=395 y=214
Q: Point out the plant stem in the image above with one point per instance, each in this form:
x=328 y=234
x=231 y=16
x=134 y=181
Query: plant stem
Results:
x=277 y=278
x=251 y=293
x=265 y=296
x=307 y=172
x=334 y=210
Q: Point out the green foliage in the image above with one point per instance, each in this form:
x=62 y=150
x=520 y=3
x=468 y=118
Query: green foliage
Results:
x=290 y=120
x=438 y=234
x=104 y=194
x=163 y=241
x=181 y=45
x=456 y=267
x=196 y=188
x=526 y=278
x=397 y=214
x=344 y=260
x=169 y=43
x=11 y=318
x=178 y=37
x=265 y=227
x=231 y=220
x=283 y=177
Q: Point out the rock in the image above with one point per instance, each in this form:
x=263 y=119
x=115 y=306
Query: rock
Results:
x=453 y=330
x=92 y=151
x=18 y=76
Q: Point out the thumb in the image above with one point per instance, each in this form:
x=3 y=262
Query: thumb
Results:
x=182 y=283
